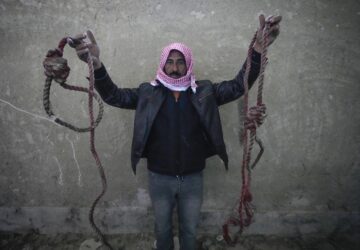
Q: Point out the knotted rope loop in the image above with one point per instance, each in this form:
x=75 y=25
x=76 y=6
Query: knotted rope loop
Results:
x=242 y=214
x=56 y=68
x=255 y=117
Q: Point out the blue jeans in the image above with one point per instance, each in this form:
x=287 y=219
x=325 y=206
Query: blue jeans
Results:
x=184 y=191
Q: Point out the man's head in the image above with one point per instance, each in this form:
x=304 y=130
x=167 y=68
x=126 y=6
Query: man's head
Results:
x=176 y=68
x=175 y=65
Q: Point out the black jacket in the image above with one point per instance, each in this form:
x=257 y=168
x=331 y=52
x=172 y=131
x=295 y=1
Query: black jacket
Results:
x=147 y=99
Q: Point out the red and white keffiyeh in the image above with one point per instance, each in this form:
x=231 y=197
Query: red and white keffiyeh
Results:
x=182 y=83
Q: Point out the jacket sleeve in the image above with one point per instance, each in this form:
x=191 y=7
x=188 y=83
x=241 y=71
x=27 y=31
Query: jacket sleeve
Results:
x=228 y=91
x=126 y=98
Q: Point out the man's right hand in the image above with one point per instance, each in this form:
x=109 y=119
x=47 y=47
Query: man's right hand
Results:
x=84 y=48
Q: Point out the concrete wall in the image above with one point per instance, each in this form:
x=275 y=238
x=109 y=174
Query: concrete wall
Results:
x=308 y=180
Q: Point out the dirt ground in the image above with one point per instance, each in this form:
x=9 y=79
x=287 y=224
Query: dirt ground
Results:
x=34 y=241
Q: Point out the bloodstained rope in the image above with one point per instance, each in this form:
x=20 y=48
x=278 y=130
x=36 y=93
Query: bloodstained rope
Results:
x=56 y=69
x=242 y=215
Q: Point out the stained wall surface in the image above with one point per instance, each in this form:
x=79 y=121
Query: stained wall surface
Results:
x=308 y=180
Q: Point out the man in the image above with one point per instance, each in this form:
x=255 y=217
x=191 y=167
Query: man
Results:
x=177 y=126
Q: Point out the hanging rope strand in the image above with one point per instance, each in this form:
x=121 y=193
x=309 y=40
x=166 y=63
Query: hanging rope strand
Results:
x=94 y=153
x=56 y=68
x=242 y=215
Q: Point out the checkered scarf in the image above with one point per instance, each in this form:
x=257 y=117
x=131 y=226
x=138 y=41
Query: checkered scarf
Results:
x=182 y=83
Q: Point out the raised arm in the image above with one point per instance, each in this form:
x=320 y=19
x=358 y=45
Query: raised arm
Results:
x=126 y=98
x=228 y=91
x=111 y=94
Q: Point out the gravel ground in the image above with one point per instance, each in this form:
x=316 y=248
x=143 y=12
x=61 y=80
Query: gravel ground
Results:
x=34 y=241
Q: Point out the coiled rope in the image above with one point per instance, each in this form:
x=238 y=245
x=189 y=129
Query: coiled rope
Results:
x=56 y=68
x=243 y=212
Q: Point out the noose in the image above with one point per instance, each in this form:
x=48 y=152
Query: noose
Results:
x=56 y=69
x=242 y=214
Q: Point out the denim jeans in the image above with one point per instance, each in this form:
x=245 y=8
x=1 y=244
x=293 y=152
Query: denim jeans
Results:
x=185 y=192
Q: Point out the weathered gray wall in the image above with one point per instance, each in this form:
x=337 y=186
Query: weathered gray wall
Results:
x=308 y=179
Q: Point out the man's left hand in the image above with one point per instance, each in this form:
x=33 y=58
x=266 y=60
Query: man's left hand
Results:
x=274 y=31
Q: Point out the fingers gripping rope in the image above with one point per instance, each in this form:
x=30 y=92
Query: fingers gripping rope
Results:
x=56 y=68
x=242 y=214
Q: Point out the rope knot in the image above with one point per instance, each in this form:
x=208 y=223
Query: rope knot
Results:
x=56 y=66
x=255 y=117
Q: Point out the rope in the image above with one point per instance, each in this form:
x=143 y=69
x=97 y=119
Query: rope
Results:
x=243 y=212
x=56 y=69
